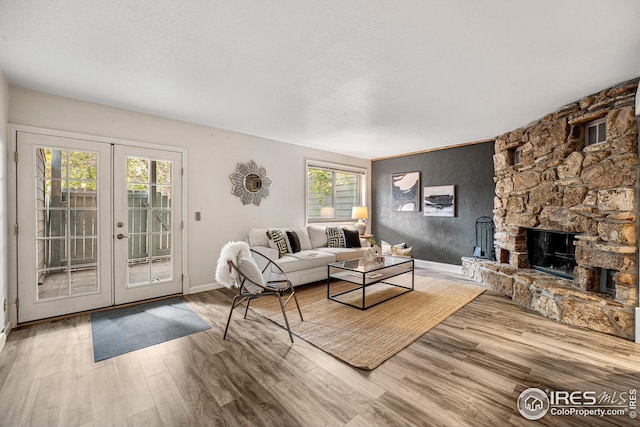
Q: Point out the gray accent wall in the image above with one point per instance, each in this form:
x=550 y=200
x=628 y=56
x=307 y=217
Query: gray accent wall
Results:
x=436 y=239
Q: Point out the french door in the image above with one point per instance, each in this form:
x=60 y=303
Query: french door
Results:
x=148 y=223
x=98 y=224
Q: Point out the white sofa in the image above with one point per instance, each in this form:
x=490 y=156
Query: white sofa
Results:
x=310 y=263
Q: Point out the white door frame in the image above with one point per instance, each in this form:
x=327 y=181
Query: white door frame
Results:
x=12 y=219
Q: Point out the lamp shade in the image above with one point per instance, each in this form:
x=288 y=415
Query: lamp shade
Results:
x=360 y=212
x=327 y=212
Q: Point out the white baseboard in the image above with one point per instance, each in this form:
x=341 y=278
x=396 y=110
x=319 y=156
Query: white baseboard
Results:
x=638 y=325
x=203 y=288
x=3 y=335
x=450 y=268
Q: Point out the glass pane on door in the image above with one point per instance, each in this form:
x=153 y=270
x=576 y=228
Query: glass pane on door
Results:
x=150 y=257
x=66 y=226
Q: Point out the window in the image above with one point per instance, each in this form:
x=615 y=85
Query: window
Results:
x=516 y=156
x=596 y=131
x=607 y=285
x=332 y=191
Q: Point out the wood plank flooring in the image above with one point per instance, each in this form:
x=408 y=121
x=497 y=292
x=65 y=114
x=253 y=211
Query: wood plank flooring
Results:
x=469 y=370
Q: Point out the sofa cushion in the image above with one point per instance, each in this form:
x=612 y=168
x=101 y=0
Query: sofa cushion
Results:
x=304 y=260
x=335 y=237
x=303 y=235
x=351 y=238
x=258 y=237
x=344 y=254
x=300 y=277
x=266 y=251
x=317 y=236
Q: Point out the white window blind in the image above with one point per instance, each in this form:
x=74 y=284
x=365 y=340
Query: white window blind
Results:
x=332 y=191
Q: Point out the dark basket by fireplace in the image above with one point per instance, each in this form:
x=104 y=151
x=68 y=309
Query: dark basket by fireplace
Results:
x=484 y=239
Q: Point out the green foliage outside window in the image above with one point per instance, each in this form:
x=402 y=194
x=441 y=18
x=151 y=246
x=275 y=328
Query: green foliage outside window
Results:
x=331 y=194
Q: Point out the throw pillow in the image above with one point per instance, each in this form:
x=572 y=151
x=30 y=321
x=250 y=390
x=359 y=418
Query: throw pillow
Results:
x=278 y=240
x=351 y=238
x=294 y=241
x=404 y=252
x=386 y=247
x=249 y=268
x=256 y=237
x=317 y=236
x=303 y=236
x=335 y=237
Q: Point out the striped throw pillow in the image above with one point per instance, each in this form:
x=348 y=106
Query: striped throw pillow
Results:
x=278 y=239
x=335 y=237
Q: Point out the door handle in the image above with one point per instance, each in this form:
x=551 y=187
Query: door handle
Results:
x=121 y=236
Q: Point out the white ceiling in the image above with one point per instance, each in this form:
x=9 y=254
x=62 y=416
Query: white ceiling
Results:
x=370 y=78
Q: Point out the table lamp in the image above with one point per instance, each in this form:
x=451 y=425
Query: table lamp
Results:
x=360 y=213
x=327 y=212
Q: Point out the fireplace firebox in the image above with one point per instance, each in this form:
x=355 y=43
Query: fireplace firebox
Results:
x=552 y=252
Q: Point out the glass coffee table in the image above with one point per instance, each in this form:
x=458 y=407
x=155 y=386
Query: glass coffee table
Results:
x=359 y=278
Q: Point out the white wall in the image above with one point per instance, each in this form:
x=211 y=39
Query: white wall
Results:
x=4 y=287
x=212 y=156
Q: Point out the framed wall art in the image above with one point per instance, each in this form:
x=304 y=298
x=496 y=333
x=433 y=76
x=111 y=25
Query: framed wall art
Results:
x=439 y=200
x=405 y=192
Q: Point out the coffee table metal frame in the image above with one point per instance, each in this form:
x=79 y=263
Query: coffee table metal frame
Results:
x=352 y=272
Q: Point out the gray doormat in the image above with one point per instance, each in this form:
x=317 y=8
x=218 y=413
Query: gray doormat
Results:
x=131 y=328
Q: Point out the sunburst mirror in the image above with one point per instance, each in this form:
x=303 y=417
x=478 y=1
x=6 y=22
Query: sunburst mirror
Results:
x=250 y=183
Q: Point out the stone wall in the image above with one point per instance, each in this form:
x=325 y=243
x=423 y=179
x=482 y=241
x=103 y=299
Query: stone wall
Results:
x=546 y=178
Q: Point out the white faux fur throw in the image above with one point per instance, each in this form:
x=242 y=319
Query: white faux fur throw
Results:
x=231 y=251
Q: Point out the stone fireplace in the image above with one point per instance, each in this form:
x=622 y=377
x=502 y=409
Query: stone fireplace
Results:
x=569 y=196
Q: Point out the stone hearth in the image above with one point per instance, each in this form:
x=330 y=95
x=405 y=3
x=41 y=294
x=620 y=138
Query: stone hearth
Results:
x=546 y=178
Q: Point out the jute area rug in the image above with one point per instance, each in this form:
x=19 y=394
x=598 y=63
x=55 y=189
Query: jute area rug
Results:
x=365 y=339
